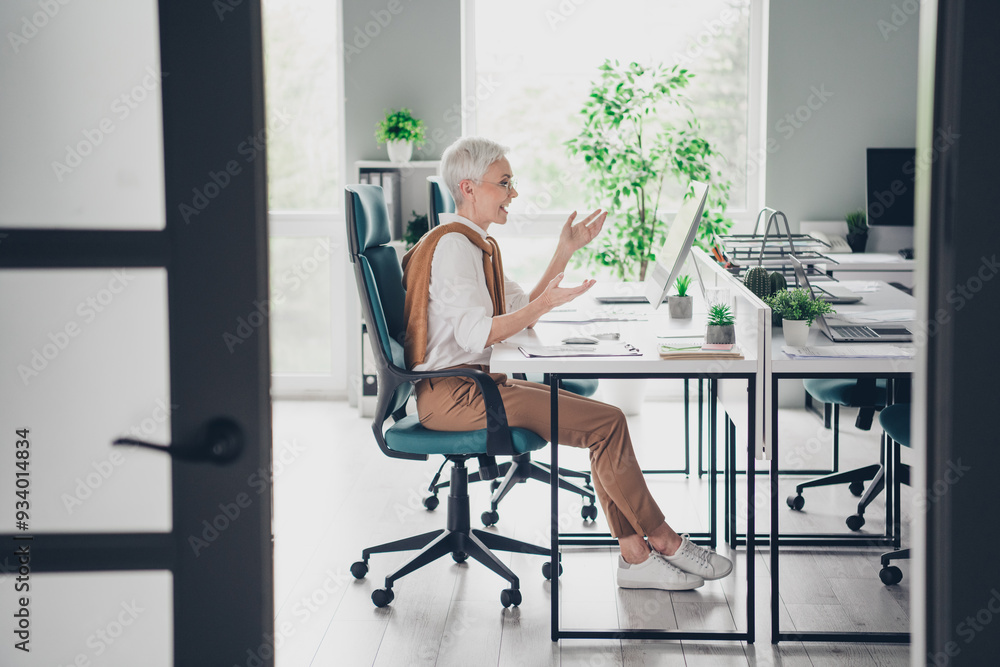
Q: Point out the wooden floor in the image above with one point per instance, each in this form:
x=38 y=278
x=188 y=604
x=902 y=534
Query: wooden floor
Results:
x=335 y=494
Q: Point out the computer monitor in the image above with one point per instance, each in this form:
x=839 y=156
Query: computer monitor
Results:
x=889 y=185
x=670 y=259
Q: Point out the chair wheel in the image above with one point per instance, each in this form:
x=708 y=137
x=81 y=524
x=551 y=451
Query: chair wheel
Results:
x=459 y=556
x=855 y=521
x=589 y=512
x=382 y=596
x=494 y=485
x=856 y=488
x=510 y=596
x=547 y=569
x=490 y=517
x=796 y=502
x=431 y=503
x=890 y=575
x=359 y=569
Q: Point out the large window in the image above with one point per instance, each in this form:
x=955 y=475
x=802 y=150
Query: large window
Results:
x=304 y=105
x=530 y=64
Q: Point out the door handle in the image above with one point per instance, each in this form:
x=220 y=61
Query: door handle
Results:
x=219 y=441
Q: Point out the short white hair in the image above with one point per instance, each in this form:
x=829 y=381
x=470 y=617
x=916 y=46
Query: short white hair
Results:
x=468 y=158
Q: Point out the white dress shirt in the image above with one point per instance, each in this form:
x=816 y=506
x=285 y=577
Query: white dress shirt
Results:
x=460 y=310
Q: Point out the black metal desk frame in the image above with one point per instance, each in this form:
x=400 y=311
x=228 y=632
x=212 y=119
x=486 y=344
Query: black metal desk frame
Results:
x=891 y=537
x=590 y=539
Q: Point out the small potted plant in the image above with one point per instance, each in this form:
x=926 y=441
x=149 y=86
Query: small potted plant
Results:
x=415 y=229
x=857 y=230
x=720 y=330
x=680 y=304
x=797 y=310
x=400 y=132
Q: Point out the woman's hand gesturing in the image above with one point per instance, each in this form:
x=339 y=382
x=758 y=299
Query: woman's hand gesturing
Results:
x=573 y=237
x=555 y=296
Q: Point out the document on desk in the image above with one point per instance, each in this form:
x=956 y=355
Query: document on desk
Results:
x=586 y=316
x=696 y=348
x=603 y=349
x=872 y=351
x=874 y=316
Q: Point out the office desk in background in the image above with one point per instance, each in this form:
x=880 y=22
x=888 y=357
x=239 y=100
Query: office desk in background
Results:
x=784 y=367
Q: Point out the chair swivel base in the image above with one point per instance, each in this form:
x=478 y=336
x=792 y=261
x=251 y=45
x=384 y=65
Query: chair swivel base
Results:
x=459 y=539
x=890 y=574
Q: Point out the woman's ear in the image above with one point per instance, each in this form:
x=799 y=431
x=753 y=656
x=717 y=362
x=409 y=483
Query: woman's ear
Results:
x=466 y=187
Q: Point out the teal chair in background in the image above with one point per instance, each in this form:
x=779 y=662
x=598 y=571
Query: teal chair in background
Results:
x=895 y=421
x=521 y=468
x=401 y=436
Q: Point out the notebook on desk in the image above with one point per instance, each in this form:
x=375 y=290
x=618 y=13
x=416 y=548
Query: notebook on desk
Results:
x=853 y=332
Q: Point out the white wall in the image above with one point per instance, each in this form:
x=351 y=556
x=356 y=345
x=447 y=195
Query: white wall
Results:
x=842 y=77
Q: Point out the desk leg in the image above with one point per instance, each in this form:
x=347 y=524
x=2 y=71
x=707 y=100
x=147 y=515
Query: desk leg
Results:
x=687 y=427
x=773 y=544
x=701 y=431
x=751 y=495
x=713 y=481
x=554 y=517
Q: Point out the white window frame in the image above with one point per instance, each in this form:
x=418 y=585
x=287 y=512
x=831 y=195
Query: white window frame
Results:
x=549 y=223
x=331 y=224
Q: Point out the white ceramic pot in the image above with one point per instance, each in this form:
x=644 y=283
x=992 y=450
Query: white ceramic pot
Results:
x=627 y=394
x=796 y=332
x=399 y=151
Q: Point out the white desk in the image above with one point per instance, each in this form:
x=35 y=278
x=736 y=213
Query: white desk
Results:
x=785 y=367
x=887 y=267
x=753 y=336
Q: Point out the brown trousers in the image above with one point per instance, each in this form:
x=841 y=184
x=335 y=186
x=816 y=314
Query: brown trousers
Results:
x=454 y=404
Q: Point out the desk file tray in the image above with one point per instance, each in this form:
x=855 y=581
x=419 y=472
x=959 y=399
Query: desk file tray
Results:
x=609 y=349
x=773 y=251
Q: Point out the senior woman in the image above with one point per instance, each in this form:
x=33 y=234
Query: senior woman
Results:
x=459 y=304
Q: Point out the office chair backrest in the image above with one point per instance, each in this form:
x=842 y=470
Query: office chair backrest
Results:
x=439 y=200
x=380 y=285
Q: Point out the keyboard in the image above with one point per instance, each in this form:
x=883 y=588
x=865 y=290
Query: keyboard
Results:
x=856 y=332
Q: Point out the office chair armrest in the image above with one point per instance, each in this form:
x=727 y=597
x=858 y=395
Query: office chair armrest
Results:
x=498 y=440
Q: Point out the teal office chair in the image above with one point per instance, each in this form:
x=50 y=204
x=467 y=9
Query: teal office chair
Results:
x=895 y=421
x=867 y=395
x=401 y=436
x=521 y=468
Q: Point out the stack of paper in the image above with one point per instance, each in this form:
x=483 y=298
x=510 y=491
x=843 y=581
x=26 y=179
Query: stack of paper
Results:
x=870 y=350
x=696 y=348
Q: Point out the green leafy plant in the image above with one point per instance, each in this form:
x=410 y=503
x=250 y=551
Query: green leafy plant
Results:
x=631 y=153
x=415 y=229
x=857 y=222
x=720 y=315
x=796 y=304
x=400 y=126
x=682 y=284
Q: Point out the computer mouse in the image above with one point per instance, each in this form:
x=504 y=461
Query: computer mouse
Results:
x=580 y=340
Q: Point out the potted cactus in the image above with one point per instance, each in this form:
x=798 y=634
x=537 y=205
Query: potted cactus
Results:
x=721 y=329
x=680 y=304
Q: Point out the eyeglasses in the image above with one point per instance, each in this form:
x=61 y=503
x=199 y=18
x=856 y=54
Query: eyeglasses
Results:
x=510 y=185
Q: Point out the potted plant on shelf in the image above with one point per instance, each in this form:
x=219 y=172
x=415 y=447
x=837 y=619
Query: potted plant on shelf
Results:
x=857 y=230
x=680 y=304
x=720 y=330
x=797 y=310
x=400 y=132
x=632 y=151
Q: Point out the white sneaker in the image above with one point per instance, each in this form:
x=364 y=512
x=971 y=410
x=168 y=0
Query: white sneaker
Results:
x=699 y=561
x=655 y=572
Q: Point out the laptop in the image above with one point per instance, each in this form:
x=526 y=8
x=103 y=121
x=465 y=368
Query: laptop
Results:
x=854 y=333
x=831 y=293
x=660 y=276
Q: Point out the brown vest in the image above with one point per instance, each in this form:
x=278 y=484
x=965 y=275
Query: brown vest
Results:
x=417 y=281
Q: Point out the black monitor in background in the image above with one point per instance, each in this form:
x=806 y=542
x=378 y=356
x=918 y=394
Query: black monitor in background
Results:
x=889 y=185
